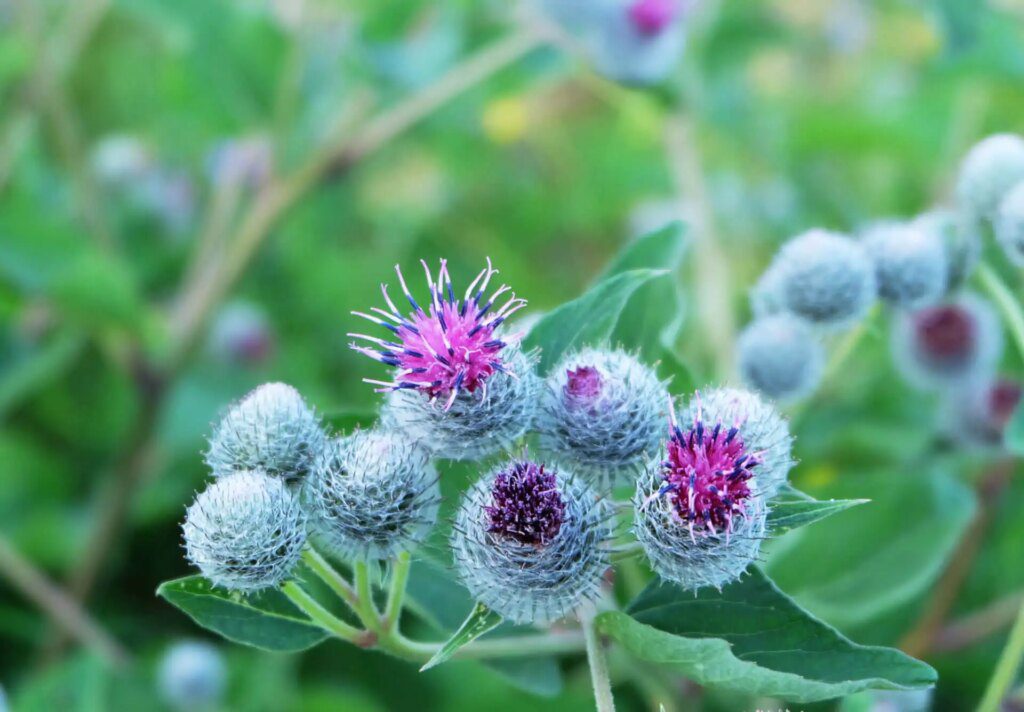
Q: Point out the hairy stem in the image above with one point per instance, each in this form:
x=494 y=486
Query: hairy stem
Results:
x=320 y=615
x=1007 y=303
x=330 y=576
x=598 y=667
x=1006 y=669
x=366 y=609
x=396 y=592
x=518 y=646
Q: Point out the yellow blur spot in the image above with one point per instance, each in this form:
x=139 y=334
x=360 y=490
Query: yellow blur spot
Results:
x=911 y=36
x=819 y=476
x=506 y=120
x=773 y=72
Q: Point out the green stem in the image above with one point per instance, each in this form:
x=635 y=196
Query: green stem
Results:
x=320 y=615
x=396 y=593
x=1007 y=303
x=598 y=668
x=520 y=646
x=365 y=608
x=1006 y=669
x=327 y=573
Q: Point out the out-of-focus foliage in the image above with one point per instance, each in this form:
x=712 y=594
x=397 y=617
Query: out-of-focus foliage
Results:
x=828 y=113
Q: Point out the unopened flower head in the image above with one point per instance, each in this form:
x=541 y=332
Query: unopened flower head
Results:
x=976 y=414
x=780 y=356
x=993 y=167
x=242 y=334
x=272 y=429
x=192 y=676
x=700 y=516
x=245 y=532
x=530 y=543
x=960 y=238
x=452 y=347
x=476 y=424
x=824 y=277
x=601 y=414
x=947 y=344
x=910 y=263
x=371 y=495
x=1009 y=225
x=639 y=41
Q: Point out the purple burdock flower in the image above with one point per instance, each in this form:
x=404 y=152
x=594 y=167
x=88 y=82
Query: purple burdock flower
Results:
x=652 y=16
x=947 y=333
x=526 y=504
x=449 y=348
x=707 y=475
x=583 y=385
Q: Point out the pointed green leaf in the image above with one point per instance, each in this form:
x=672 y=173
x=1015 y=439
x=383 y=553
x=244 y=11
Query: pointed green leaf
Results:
x=480 y=620
x=793 y=509
x=751 y=638
x=266 y=620
x=588 y=319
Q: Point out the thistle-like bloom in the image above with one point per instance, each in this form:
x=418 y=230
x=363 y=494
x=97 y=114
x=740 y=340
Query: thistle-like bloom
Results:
x=780 y=356
x=1009 y=225
x=977 y=413
x=961 y=240
x=639 y=41
x=600 y=415
x=530 y=543
x=371 y=495
x=449 y=349
x=700 y=516
x=948 y=344
x=993 y=167
x=910 y=264
x=823 y=277
x=272 y=430
x=245 y=532
x=192 y=676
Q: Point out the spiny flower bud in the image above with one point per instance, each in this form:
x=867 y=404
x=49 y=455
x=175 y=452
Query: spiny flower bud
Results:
x=601 y=413
x=910 y=264
x=245 y=532
x=961 y=240
x=192 y=676
x=824 y=277
x=989 y=171
x=950 y=343
x=476 y=424
x=529 y=543
x=271 y=429
x=780 y=356
x=371 y=495
x=1009 y=225
x=639 y=41
x=977 y=413
x=700 y=514
x=763 y=430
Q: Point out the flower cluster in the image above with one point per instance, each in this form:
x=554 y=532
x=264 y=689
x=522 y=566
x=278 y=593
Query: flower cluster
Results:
x=531 y=538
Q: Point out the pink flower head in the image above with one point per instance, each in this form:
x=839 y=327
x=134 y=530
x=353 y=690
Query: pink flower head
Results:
x=707 y=474
x=650 y=17
x=526 y=504
x=448 y=348
x=583 y=384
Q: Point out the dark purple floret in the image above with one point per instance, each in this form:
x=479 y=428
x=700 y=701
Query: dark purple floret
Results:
x=526 y=505
x=947 y=332
x=583 y=384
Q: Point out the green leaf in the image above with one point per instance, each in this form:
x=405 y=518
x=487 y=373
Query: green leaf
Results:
x=752 y=638
x=651 y=320
x=266 y=620
x=891 y=551
x=35 y=369
x=793 y=509
x=589 y=319
x=1015 y=431
x=479 y=621
x=435 y=595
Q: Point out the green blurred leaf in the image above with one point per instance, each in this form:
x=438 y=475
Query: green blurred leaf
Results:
x=752 y=638
x=435 y=596
x=1015 y=431
x=589 y=319
x=266 y=620
x=38 y=367
x=479 y=621
x=792 y=509
x=98 y=290
x=891 y=551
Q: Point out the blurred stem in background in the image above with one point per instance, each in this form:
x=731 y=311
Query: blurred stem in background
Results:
x=1006 y=670
x=212 y=282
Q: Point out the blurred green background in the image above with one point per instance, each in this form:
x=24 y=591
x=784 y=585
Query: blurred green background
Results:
x=146 y=145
